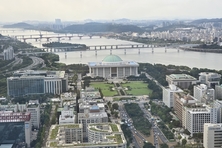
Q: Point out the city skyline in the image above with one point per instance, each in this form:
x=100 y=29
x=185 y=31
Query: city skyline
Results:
x=79 y=10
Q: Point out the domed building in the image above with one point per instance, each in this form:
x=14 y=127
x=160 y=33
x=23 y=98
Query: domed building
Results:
x=112 y=66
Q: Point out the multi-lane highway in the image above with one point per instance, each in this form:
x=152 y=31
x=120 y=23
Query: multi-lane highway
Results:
x=156 y=130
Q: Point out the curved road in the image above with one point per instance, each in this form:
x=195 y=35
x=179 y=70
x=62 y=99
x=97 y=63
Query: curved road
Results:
x=35 y=61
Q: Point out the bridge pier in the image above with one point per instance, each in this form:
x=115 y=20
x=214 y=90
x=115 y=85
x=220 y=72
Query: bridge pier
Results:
x=137 y=46
x=90 y=37
x=47 y=39
x=80 y=37
x=143 y=46
x=95 y=52
x=116 y=47
x=36 y=39
x=138 y=51
x=165 y=49
x=111 y=47
x=81 y=54
x=124 y=51
x=50 y=49
x=132 y=46
x=178 y=50
x=110 y=52
x=152 y=50
x=100 y=47
x=59 y=39
x=70 y=38
x=24 y=40
x=95 y=47
x=105 y=47
x=100 y=36
x=65 y=55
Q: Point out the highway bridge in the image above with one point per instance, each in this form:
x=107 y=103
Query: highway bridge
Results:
x=94 y=48
x=48 y=37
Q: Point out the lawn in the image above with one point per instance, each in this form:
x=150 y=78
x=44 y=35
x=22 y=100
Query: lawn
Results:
x=105 y=88
x=137 y=88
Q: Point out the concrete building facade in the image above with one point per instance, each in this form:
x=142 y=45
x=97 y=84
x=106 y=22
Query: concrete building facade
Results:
x=204 y=94
x=168 y=95
x=37 y=82
x=212 y=135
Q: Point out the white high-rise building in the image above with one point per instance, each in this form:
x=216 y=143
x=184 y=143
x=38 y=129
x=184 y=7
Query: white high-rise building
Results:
x=8 y=53
x=196 y=117
x=212 y=135
x=168 y=94
x=203 y=94
x=218 y=106
x=218 y=92
x=34 y=109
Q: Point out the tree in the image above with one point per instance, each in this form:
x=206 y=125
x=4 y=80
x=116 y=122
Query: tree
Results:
x=184 y=142
x=115 y=106
x=148 y=145
x=164 y=145
x=179 y=137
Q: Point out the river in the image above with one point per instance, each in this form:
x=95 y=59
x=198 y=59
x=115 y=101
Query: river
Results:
x=172 y=56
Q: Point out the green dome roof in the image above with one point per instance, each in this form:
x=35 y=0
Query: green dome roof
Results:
x=112 y=58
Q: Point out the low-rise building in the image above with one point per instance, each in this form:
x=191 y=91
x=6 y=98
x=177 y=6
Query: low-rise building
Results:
x=212 y=135
x=67 y=116
x=181 y=80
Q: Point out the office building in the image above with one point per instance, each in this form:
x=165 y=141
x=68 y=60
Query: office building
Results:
x=181 y=80
x=218 y=106
x=112 y=66
x=218 y=92
x=196 y=117
x=168 y=95
x=182 y=100
x=65 y=134
x=37 y=82
x=204 y=94
x=34 y=108
x=212 y=135
x=91 y=114
x=107 y=135
x=15 y=128
x=209 y=78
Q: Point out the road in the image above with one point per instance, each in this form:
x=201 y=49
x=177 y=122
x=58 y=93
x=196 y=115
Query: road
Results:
x=156 y=130
x=124 y=115
x=151 y=78
x=35 y=61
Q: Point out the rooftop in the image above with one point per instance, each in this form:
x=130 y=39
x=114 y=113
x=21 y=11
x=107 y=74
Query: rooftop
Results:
x=181 y=77
x=112 y=58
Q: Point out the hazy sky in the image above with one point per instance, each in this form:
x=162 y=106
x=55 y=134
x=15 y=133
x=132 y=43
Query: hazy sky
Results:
x=72 y=10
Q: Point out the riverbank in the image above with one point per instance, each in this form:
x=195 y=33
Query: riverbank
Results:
x=201 y=50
